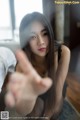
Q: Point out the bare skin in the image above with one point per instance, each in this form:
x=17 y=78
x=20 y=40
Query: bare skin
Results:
x=26 y=86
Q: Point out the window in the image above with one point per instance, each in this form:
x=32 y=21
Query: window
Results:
x=23 y=7
x=11 y=13
x=5 y=21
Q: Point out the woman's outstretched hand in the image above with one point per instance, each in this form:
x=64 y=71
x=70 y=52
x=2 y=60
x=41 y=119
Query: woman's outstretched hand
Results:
x=26 y=86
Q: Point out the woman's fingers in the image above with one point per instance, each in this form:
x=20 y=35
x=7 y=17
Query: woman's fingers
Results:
x=24 y=63
x=29 y=85
x=43 y=86
x=16 y=82
x=9 y=100
x=26 y=66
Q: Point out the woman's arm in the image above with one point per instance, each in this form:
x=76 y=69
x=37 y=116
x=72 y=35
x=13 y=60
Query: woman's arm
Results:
x=61 y=74
x=62 y=71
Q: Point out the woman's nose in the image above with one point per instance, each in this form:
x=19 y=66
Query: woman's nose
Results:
x=40 y=40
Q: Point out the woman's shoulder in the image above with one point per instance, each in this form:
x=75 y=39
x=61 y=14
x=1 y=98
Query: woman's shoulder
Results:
x=61 y=50
x=65 y=53
x=65 y=49
x=60 y=47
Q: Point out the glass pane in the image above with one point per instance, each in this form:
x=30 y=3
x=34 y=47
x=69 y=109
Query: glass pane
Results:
x=4 y=13
x=5 y=21
x=23 y=7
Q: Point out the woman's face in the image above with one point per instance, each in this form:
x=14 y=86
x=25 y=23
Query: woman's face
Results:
x=39 y=40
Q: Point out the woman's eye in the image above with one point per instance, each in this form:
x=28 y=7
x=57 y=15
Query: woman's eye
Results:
x=45 y=33
x=33 y=37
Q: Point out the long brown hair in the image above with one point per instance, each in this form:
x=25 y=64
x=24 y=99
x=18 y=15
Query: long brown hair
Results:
x=24 y=32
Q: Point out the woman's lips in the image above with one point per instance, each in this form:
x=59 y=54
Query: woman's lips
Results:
x=42 y=49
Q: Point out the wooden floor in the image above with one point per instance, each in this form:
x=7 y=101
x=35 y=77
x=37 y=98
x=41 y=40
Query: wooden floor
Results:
x=73 y=90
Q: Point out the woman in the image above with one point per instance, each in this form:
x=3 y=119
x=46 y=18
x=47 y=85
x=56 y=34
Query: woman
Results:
x=49 y=60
